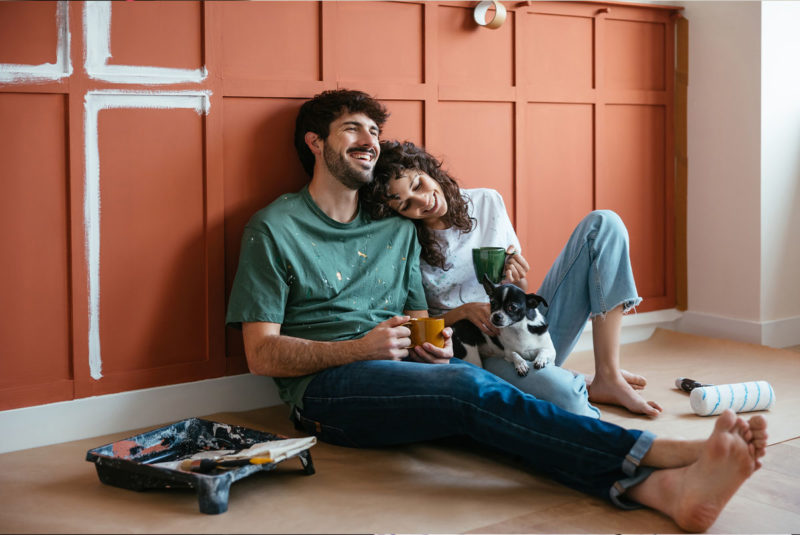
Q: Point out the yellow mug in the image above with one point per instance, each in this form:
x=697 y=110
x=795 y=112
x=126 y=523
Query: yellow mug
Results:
x=426 y=330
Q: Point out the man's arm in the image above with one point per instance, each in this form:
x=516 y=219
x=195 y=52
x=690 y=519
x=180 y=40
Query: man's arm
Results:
x=275 y=355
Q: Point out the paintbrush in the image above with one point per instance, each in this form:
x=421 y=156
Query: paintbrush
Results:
x=207 y=465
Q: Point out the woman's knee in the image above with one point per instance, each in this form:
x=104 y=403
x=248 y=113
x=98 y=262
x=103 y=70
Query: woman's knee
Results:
x=607 y=220
x=566 y=390
x=604 y=225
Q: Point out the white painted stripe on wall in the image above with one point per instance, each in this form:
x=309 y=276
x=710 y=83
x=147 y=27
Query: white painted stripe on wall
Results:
x=95 y=101
x=46 y=72
x=97 y=33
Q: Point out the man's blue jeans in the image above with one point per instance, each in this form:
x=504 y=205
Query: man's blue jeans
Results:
x=591 y=276
x=381 y=403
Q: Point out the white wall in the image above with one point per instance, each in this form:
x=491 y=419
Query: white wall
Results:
x=780 y=169
x=743 y=193
x=724 y=183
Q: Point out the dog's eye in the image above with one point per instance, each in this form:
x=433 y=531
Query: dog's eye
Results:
x=511 y=308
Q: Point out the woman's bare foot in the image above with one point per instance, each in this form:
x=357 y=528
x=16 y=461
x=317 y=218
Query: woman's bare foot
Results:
x=616 y=390
x=694 y=496
x=637 y=382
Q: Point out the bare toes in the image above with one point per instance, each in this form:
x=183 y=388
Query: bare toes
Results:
x=726 y=421
x=637 y=382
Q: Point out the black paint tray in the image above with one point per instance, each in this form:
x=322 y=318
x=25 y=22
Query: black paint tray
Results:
x=129 y=463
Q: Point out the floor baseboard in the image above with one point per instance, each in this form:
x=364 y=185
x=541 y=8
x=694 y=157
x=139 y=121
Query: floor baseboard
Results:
x=776 y=333
x=43 y=425
x=636 y=327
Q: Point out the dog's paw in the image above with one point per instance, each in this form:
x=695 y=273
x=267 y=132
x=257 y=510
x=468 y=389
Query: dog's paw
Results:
x=539 y=363
x=543 y=358
x=522 y=368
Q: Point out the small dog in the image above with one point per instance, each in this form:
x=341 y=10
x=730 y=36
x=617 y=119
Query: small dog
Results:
x=523 y=334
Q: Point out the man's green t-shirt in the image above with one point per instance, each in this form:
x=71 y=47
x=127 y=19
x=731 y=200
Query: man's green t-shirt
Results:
x=322 y=279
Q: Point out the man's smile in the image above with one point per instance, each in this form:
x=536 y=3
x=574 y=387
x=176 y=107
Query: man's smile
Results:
x=363 y=155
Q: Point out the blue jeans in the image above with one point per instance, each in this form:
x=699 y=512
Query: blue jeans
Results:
x=382 y=403
x=590 y=277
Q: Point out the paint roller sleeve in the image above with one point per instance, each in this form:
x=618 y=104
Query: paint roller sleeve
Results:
x=740 y=397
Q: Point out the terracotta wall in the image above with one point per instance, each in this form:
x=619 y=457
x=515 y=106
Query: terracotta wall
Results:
x=136 y=139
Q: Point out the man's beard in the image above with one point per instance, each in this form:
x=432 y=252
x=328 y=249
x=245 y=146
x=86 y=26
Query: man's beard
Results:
x=348 y=175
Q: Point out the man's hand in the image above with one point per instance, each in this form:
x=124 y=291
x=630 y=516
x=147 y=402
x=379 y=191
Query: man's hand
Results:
x=430 y=354
x=388 y=340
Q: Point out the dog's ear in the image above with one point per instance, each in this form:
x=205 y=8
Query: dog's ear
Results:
x=488 y=285
x=533 y=300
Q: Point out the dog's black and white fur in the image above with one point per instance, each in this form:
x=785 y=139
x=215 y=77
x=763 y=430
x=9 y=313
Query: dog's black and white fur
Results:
x=523 y=334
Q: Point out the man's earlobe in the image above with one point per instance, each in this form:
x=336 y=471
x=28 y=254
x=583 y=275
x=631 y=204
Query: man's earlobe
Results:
x=313 y=141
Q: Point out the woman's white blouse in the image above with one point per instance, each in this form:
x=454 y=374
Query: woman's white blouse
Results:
x=448 y=289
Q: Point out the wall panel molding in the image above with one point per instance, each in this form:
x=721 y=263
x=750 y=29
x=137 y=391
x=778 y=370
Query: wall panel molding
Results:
x=60 y=69
x=535 y=109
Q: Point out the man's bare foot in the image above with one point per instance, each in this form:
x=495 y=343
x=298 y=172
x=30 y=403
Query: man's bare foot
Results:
x=694 y=496
x=758 y=438
x=637 y=382
x=618 y=391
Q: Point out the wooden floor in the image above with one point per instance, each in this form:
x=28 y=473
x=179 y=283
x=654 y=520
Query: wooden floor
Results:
x=441 y=487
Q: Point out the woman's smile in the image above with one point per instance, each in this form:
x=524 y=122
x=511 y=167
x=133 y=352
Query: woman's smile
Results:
x=415 y=195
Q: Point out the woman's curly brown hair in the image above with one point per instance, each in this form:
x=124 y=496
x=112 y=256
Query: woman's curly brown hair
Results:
x=395 y=158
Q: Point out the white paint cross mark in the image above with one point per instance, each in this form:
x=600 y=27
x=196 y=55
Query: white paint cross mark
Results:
x=95 y=101
x=97 y=33
x=46 y=72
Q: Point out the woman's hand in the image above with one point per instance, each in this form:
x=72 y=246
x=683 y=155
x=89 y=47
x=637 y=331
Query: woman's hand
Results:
x=477 y=313
x=516 y=268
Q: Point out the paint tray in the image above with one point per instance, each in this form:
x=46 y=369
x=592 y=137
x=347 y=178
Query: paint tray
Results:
x=147 y=461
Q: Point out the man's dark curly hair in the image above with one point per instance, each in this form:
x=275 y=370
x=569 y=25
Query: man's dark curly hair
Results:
x=317 y=114
x=395 y=158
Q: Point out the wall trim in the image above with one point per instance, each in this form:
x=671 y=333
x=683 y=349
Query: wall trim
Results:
x=775 y=333
x=54 y=423
x=43 y=425
x=781 y=333
x=636 y=327
x=94 y=103
x=97 y=39
x=46 y=72
x=715 y=326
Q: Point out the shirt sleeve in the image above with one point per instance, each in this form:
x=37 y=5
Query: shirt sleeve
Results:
x=416 y=294
x=259 y=290
x=505 y=228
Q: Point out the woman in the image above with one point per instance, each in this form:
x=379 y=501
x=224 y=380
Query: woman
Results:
x=592 y=276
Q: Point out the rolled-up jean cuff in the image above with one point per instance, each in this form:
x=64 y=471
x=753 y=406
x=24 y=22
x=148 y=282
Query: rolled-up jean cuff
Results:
x=618 y=490
x=634 y=457
x=631 y=467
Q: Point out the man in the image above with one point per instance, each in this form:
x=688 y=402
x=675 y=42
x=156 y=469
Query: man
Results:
x=322 y=294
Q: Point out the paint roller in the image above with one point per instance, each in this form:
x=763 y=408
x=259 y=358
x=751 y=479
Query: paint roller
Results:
x=708 y=400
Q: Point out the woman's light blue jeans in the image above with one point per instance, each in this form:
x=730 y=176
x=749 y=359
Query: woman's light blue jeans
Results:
x=590 y=277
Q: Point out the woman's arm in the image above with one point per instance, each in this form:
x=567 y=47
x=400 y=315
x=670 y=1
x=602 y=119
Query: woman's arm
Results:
x=477 y=313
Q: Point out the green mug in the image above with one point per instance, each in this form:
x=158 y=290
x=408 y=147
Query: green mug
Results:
x=489 y=261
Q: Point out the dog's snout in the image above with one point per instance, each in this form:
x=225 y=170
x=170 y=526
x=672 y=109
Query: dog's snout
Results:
x=496 y=318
